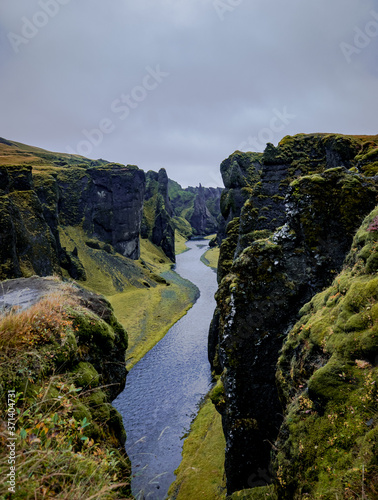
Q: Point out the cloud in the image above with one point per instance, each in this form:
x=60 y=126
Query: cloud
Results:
x=226 y=77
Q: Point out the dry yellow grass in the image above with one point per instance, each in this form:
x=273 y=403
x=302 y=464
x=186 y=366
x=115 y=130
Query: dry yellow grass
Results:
x=22 y=328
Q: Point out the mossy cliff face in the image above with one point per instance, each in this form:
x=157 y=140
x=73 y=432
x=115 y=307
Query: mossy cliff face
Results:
x=205 y=210
x=196 y=209
x=327 y=379
x=157 y=225
x=27 y=245
x=104 y=199
x=107 y=201
x=289 y=241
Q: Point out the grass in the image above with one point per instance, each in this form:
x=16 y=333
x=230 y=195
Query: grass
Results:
x=211 y=257
x=201 y=472
x=35 y=325
x=148 y=314
x=146 y=304
x=64 y=448
x=180 y=246
x=54 y=456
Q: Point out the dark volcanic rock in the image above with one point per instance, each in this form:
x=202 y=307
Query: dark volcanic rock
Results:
x=27 y=243
x=156 y=223
x=199 y=206
x=202 y=220
x=107 y=201
x=287 y=242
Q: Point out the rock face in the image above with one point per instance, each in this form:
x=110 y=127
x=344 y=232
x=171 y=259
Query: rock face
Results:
x=106 y=201
x=202 y=220
x=305 y=200
x=198 y=206
x=27 y=244
x=327 y=380
x=156 y=224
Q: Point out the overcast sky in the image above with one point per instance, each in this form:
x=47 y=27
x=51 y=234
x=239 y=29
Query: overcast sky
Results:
x=181 y=84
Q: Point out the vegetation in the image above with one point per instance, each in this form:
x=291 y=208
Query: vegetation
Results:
x=201 y=472
x=69 y=439
x=329 y=440
x=211 y=257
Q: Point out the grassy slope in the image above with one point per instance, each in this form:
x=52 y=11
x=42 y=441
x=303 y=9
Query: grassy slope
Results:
x=66 y=444
x=180 y=243
x=146 y=304
x=201 y=472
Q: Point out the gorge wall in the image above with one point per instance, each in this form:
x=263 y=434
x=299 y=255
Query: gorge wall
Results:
x=291 y=216
x=106 y=201
x=196 y=210
x=157 y=224
x=42 y=192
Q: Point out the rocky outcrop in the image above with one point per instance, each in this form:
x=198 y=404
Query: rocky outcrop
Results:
x=285 y=244
x=202 y=220
x=327 y=380
x=63 y=355
x=28 y=245
x=106 y=201
x=157 y=212
x=240 y=173
x=198 y=206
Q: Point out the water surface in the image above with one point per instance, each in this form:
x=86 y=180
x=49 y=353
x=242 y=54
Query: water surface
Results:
x=164 y=388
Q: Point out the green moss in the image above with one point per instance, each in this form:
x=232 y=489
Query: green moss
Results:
x=85 y=375
x=92 y=330
x=211 y=258
x=258 y=493
x=327 y=377
x=217 y=395
x=201 y=472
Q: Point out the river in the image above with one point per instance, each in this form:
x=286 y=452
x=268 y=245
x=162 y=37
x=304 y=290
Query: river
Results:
x=164 y=388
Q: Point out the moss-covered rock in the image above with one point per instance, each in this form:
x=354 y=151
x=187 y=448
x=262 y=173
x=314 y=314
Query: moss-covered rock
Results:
x=157 y=212
x=64 y=358
x=290 y=241
x=327 y=376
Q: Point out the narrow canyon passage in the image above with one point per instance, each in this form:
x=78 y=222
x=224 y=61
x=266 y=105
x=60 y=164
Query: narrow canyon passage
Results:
x=163 y=390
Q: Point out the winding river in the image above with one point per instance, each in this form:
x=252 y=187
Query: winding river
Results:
x=164 y=389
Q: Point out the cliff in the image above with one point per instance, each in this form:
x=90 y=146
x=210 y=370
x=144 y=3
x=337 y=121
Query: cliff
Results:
x=157 y=212
x=39 y=198
x=327 y=380
x=292 y=213
x=196 y=209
